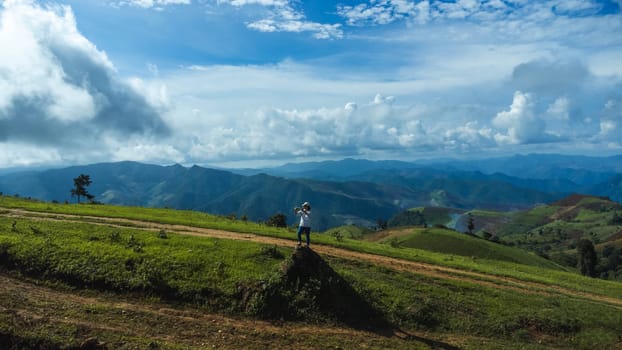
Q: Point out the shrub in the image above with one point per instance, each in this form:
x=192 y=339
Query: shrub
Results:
x=162 y=234
x=115 y=237
x=338 y=236
x=135 y=244
x=35 y=230
x=277 y=220
x=271 y=252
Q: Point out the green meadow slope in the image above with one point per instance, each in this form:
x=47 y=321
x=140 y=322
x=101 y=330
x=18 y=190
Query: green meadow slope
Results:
x=565 y=221
x=455 y=243
x=129 y=277
x=550 y=230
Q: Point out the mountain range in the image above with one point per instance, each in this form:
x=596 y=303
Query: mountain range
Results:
x=349 y=191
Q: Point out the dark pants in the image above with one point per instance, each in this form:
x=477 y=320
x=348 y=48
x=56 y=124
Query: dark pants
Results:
x=307 y=231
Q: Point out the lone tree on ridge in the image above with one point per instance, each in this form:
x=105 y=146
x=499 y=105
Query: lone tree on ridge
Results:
x=80 y=184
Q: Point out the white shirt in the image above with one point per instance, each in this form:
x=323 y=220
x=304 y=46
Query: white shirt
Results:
x=305 y=217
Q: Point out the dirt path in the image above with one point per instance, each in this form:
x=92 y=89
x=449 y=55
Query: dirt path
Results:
x=435 y=271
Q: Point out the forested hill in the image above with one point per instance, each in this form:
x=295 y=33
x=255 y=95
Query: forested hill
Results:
x=257 y=197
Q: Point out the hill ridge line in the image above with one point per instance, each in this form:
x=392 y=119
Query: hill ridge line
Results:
x=403 y=265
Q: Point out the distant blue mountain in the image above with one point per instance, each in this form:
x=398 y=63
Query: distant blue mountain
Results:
x=580 y=170
x=342 y=192
x=549 y=173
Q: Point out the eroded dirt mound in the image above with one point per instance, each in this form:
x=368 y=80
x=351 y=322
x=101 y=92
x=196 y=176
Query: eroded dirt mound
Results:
x=307 y=288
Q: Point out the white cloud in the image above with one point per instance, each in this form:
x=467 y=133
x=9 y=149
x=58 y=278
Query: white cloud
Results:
x=270 y=132
x=18 y=154
x=459 y=9
x=320 y=31
x=141 y=150
x=560 y=109
x=284 y=17
x=377 y=12
x=380 y=12
x=519 y=124
x=156 y=4
x=29 y=68
x=58 y=91
x=435 y=85
x=278 y=3
x=518 y=14
x=469 y=137
x=608 y=127
x=574 y=6
x=235 y=118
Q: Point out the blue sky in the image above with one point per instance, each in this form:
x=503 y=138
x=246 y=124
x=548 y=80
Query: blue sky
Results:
x=261 y=82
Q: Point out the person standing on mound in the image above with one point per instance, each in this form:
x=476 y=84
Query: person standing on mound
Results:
x=305 y=222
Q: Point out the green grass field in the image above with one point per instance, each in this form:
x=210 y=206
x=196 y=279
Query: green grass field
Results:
x=167 y=216
x=455 y=243
x=209 y=274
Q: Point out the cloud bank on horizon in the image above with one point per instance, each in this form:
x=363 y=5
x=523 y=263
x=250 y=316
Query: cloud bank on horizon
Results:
x=226 y=81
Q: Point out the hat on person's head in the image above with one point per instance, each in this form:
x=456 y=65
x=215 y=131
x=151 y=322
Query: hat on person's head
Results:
x=306 y=204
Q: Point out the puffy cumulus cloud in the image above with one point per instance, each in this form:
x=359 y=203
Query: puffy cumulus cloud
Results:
x=469 y=137
x=278 y=117
x=282 y=16
x=379 y=125
x=566 y=112
x=57 y=89
x=28 y=68
x=520 y=124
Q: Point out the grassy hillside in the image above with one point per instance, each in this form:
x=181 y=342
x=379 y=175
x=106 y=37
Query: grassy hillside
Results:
x=161 y=217
x=349 y=231
x=551 y=231
x=560 y=224
x=456 y=243
x=195 y=291
x=554 y=231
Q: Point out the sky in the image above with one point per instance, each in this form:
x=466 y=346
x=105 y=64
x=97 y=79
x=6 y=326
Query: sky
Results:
x=245 y=83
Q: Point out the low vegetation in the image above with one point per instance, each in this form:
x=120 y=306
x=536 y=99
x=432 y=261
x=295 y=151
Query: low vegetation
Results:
x=551 y=231
x=487 y=298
